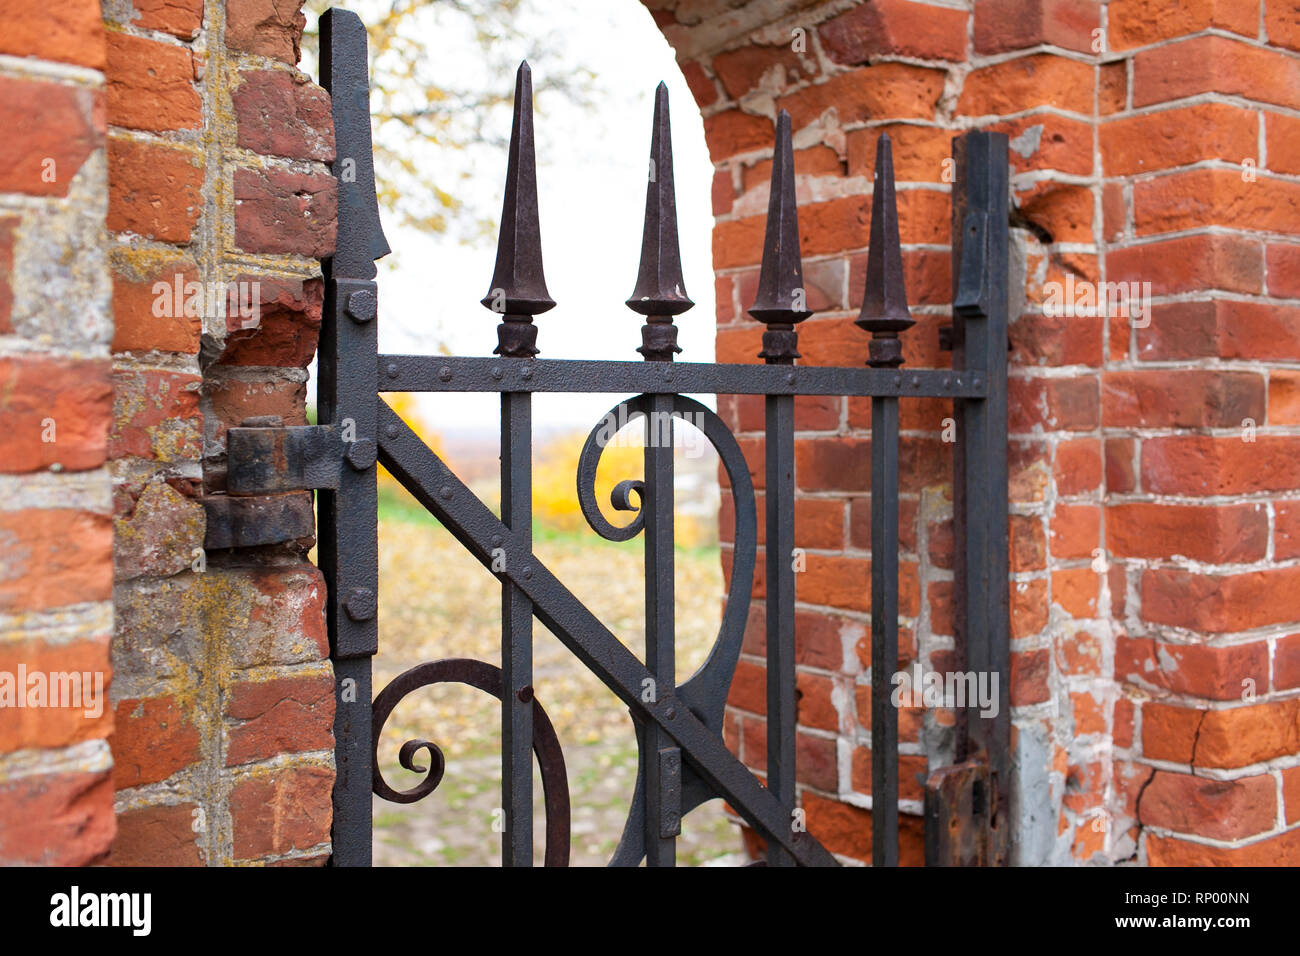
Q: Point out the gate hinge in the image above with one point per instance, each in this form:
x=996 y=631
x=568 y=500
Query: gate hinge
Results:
x=958 y=815
x=250 y=521
x=264 y=457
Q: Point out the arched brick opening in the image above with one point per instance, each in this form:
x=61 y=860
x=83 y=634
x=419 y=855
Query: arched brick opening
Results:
x=1148 y=445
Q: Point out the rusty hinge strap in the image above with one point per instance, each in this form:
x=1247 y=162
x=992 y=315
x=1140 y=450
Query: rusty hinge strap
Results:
x=264 y=460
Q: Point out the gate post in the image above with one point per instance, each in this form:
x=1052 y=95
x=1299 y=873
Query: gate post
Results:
x=979 y=796
x=348 y=399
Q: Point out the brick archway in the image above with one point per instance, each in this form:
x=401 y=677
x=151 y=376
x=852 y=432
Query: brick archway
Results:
x=1151 y=533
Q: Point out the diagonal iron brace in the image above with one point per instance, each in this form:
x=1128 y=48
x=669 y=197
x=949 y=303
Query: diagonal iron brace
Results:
x=436 y=487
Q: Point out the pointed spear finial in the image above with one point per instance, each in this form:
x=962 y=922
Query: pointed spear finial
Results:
x=344 y=72
x=884 y=303
x=660 y=291
x=518 y=286
x=781 y=301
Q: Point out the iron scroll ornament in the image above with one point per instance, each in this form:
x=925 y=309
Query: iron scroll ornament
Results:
x=705 y=693
x=487 y=678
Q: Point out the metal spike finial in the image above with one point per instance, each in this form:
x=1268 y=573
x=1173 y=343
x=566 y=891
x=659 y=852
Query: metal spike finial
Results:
x=781 y=301
x=884 y=302
x=660 y=291
x=518 y=285
x=344 y=72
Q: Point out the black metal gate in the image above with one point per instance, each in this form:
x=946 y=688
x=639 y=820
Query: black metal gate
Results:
x=683 y=759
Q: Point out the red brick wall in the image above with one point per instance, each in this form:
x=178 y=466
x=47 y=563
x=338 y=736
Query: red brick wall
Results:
x=56 y=572
x=1153 y=546
x=223 y=690
x=178 y=145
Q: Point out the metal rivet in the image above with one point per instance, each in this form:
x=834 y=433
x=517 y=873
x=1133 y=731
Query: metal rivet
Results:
x=916 y=381
x=496 y=541
x=444 y=373
x=361 y=305
x=526 y=372
x=391 y=431
x=392 y=370
x=497 y=373
x=789 y=379
x=670 y=712
x=360 y=604
x=528 y=573
x=898 y=379
x=446 y=491
x=362 y=454
x=947 y=380
x=975 y=382
x=525 y=693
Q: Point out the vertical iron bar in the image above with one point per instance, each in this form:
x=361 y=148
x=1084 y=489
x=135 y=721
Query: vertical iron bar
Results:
x=980 y=249
x=517 y=636
x=885 y=315
x=779 y=507
x=347 y=396
x=884 y=630
x=662 y=756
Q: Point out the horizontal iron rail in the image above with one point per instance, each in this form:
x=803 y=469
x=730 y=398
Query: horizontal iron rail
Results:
x=439 y=373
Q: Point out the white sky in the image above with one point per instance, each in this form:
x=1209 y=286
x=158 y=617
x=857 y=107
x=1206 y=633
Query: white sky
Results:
x=591 y=184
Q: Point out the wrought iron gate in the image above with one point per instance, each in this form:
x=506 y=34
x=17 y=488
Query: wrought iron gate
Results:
x=683 y=759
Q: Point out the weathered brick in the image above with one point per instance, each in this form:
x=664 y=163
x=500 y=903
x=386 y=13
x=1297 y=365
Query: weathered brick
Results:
x=151 y=85
x=50 y=130
x=181 y=18
x=1215 y=64
x=156 y=415
x=56 y=412
x=886 y=91
x=1281 y=850
x=1218 y=534
x=741 y=70
x=63 y=699
x=280 y=716
x=53 y=557
x=1013 y=86
x=63 y=819
x=1191 y=264
x=1214 y=197
x=894 y=28
x=281 y=811
x=283 y=114
x=1199 y=670
x=1222 y=809
x=1151 y=141
x=846 y=829
x=281 y=211
x=1181 y=398
x=152 y=739
x=1221 y=603
x=1005 y=25
x=157 y=836
x=153 y=190
x=67 y=32
x=1141 y=22
x=271 y=28
x=288 y=326
x=1203 y=465
x=155 y=531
